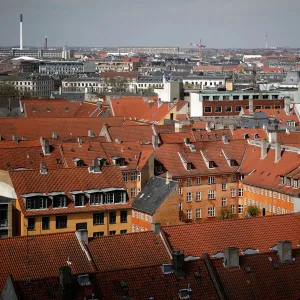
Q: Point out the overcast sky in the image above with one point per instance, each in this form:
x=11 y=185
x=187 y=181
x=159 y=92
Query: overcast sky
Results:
x=220 y=23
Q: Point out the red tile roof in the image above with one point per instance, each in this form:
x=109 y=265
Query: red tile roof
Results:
x=41 y=256
x=260 y=233
x=182 y=117
x=126 y=75
x=126 y=251
x=34 y=128
x=176 y=137
x=239 y=133
x=66 y=180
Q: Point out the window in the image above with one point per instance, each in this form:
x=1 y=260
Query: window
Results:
x=265 y=97
x=123 y=216
x=211 y=212
x=180 y=206
x=233 y=177
x=240 y=192
x=278 y=210
x=236 y=97
x=112 y=217
x=274 y=209
x=245 y=201
x=198 y=213
x=98 y=218
x=37 y=203
x=198 y=180
x=295 y=184
x=241 y=177
x=189 y=214
x=133 y=176
x=61 y=222
x=31 y=224
x=189 y=197
x=79 y=200
x=240 y=208
x=97 y=234
x=218 y=109
x=224 y=202
x=283 y=197
x=211 y=195
x=232 y=209
x=112 y=232
x=133 y=192
x=208 y=109
x=179 y=180
x=238 y=108
x=224 y=186
x=96 y=199
x=270 y=194
x=211 y=179
x=188 y=181
x=233 y=193
x=283 y=211
x=45 y=223
x=123 y=231
x=270 y=208
x=139 y=176
x=125 y=177
x=228 y=108
x=278 y=196
x=179 y=191
x=198 y=196
x=288 y=198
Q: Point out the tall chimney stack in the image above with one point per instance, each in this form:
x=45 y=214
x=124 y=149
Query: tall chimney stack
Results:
x=46 y=43
x=21 y=32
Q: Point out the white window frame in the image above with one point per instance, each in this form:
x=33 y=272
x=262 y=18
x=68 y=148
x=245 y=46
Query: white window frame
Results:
x=198 y=180
x=211 y=179
x=211 y=212
x=189 y=214
x=211 y=195
x=198 y=213
x=189 y=197
x=224 y=202
x=198 y=196
x=233 y=192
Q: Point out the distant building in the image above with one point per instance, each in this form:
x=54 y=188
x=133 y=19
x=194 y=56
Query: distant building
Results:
x=66 y=67
x=150 y=50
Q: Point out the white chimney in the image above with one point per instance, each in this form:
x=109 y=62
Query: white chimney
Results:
x=277 y=152
x=21 y=32
x=263 y=148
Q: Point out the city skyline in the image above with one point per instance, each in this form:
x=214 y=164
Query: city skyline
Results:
x=227 y=24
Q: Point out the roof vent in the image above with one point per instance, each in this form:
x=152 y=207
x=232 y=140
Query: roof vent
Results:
x=15 y=138
x=83 y=280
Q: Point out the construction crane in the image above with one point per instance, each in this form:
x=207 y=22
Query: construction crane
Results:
x=201 y=47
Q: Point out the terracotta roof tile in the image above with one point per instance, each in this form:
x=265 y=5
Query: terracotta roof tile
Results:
x=131 y=133
x=260 y=233
x=34 y=128
x=41 y=256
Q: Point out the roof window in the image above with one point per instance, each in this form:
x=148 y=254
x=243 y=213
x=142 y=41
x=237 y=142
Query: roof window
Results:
x=83 y=280
x=167 y=268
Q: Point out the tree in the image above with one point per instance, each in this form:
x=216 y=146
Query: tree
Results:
x=116 y=84
x=225 y=214
x=8 y=91
x=253 y=211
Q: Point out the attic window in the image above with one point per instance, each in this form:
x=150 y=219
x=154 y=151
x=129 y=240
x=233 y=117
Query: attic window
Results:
x=188 y=166
x=167 y=268
x=281 y=180
x=48 y=109
x=33 y=109
x=185 y=293
x=233 y=163
x=83 y=280
x=119 y=161
x=67 y=109
x=211 y=164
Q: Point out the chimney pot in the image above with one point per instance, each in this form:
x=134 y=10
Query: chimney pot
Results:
x=156 y=228
x=231 y=257
x=285 y=251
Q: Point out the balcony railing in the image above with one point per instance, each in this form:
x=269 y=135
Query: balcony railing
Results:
x=3 y=223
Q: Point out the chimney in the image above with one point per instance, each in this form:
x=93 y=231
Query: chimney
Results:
x=231 y=257
x=225 y=139
x=21 y=32
x=277 y=152
x=54 y=135
x=91 y=133
x=82 y=236
x=264 y=144
x=207 y=126
x=155 y=228
x=155 y=141
x=251 y=106
x=168 y=177
x=287 y=105
x=15 y=138
x=65 y=283
x=43 y=169
x=96 y=166
x=79 y=140
x=272 y=136
x=285 y=251
x=46 y=43
x=178 y=263
x=45 y=146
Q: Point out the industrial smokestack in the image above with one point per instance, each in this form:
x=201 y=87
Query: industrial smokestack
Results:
x=21 y=32
x=46 y=43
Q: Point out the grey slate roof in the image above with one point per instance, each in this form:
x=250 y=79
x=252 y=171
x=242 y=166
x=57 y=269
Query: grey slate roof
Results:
x=153 y=194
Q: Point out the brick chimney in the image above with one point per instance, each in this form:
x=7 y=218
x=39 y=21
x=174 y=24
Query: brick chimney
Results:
x=285 y=251
x=231 y=257
x=178 y=263
x=277 y=152
x=264 y=145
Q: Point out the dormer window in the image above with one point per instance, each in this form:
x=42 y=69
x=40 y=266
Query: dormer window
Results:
x=38 y=202
x=79 y=200
x=211 y=164
x=78 y=162
x=59 y=201
x=119 y=161
x=233 y=163
x=288 y=182
x=256 y=136
x=281 y=180
x=188 y=166
x=96 y=199
x=296 y=183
